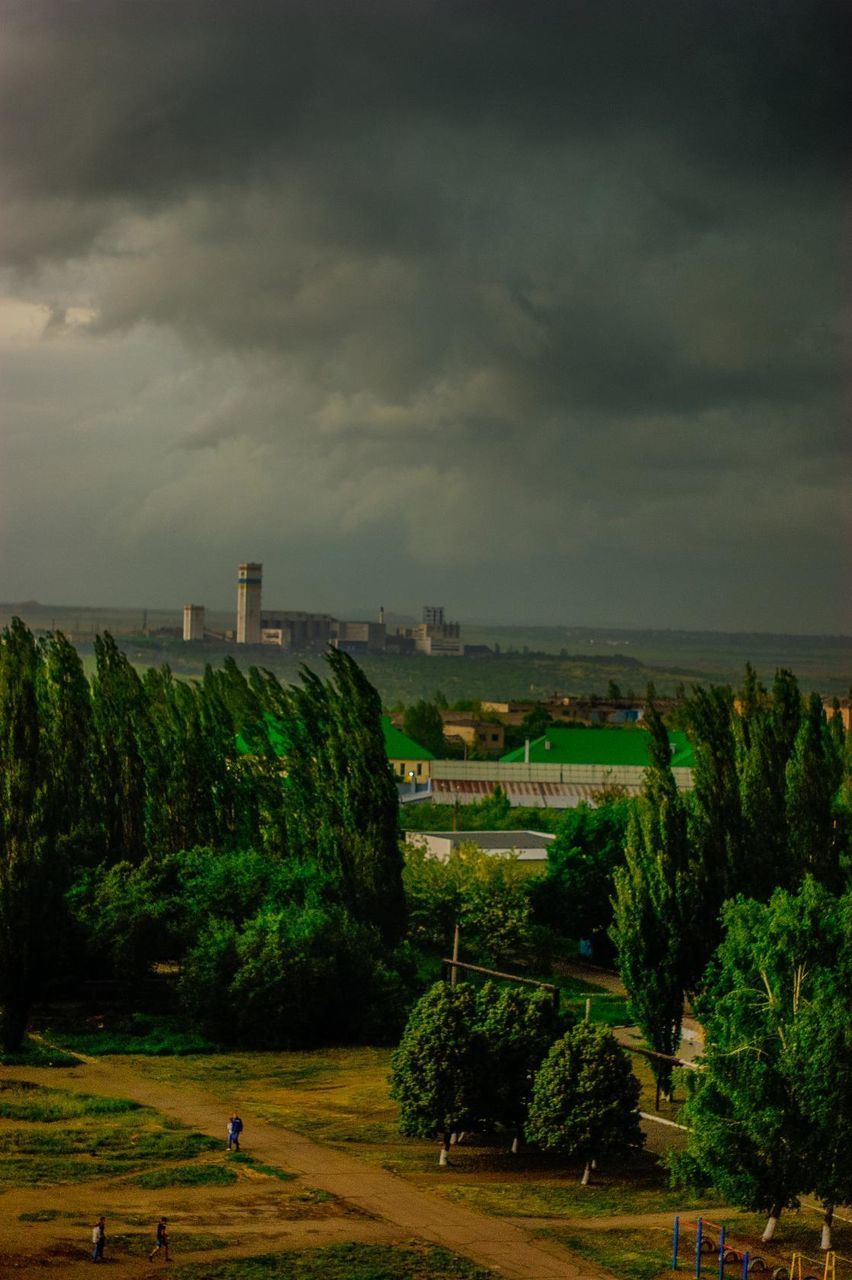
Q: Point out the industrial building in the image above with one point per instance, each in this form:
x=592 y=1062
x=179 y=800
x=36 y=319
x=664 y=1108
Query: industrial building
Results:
x=249 y=584
x=193 y=622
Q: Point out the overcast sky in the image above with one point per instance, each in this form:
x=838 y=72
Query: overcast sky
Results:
x=531 y=309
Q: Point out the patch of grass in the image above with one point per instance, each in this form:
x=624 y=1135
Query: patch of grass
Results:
x=20 y=1100
x=42 y=1215
x=69 y=1137
x=341 y=1262
x=629 y=1255
x=118 y=1143
x=569 y=1200
x=36 y=1053
x=140 y=1034
x=187 y=1175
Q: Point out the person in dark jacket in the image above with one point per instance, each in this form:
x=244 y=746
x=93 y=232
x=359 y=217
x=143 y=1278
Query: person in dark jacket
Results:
x=162 y=1240
x=235 y=1128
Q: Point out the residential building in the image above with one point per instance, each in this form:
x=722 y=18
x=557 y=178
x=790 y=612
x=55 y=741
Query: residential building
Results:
x=485 y=736
x=411 y=763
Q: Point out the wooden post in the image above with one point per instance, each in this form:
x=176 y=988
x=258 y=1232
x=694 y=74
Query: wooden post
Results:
x=454 y=970
x=588 y=1017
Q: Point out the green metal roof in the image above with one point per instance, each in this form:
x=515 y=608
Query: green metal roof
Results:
x=612 y=747
x=399 y=746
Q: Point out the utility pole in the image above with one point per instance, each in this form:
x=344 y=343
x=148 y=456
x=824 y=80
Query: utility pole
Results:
x=454 y=970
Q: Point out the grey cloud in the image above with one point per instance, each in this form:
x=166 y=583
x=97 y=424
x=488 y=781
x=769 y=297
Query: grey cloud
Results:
x=421 y=261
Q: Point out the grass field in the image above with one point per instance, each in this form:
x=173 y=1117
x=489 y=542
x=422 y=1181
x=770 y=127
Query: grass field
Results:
x=343 y=1262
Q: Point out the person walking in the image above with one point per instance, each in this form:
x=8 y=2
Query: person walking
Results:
x=98 y=1238
x=235 y=1128
x=162 y=1241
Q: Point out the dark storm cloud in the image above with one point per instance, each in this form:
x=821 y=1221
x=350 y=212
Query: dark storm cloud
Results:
x=574 y=262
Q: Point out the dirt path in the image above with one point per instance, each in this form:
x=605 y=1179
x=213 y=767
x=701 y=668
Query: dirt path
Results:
x=495 y=1243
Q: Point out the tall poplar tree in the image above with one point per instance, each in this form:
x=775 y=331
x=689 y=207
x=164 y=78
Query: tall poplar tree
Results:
x=120 y=710
x=25 y=850
x=655 y=908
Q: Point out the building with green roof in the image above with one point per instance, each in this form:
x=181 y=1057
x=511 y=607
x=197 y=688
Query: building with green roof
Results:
x=606 y=748
x=407 y=758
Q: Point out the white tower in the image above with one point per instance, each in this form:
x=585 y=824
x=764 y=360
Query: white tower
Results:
x=249 y=580
x=193 y=622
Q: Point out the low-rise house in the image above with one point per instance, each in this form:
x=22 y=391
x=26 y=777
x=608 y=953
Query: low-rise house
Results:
x=410 y=762
x=527 y=846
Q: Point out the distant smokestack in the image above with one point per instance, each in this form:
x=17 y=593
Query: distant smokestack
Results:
x=382 y=614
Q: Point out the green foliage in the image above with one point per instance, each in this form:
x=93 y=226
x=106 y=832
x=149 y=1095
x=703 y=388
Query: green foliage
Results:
x=518 y=1025
x=654 y=911
x=31 y=872
x=422 y=722
x=487 y=895
x=438 y=1067
x=585 y=1098
x=20 y=1100
x=770 y=1114
x=575 y=897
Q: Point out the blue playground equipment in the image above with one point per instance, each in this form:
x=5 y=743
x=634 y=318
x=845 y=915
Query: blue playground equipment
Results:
x=709 y=1239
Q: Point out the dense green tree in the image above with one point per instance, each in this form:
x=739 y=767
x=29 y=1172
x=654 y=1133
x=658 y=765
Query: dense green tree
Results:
x=656 y=909
x=813 y=775
x=518 y=1025
x=64 y=707
x=437 y=1070
x=120 y=713
x=422 y=722
x=25 y=846
x=487 y=896
x=575 y=896
x=752 y=1120
x=341 y=795
x=585 y=1099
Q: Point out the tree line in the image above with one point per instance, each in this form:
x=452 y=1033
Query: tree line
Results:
x=144 y=818
x=736 y=896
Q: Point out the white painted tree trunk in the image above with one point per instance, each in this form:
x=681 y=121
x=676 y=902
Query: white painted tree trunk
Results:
x=442 y=1158
x=454 y=1137
x=825 y=1242
x=769 y=1229
x=587 y=1172
x=515 y=1145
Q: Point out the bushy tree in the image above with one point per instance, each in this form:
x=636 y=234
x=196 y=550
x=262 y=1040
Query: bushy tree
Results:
x=486 y=895
x=585 y=1099
x=754 y=1122
x=518 y=1026
x=437 y=1070
x=422 y=722
x=575 y=896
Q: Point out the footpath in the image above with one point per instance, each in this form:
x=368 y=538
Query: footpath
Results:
x=494 y=1243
